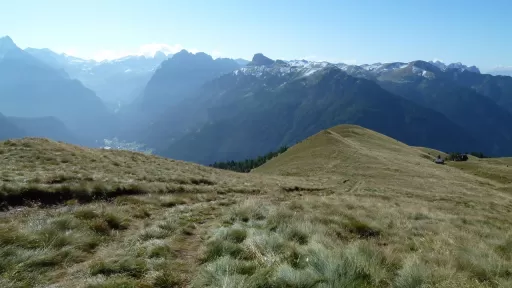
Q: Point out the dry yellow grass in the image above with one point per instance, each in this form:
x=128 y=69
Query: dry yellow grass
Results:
x=347 y=207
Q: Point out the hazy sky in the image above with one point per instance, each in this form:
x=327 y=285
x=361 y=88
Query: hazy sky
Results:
x=475 y=32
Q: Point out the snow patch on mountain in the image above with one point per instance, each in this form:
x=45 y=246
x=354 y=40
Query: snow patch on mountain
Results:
x=300 y=68
x=422 y=72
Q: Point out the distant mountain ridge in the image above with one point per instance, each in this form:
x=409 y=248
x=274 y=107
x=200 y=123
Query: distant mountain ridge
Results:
x=113 y=80
x=46 y=127
x=9 y=130
x=30 y=88
x=498 y=88
x=501 y=71
x=458 y=66
x=179 y=76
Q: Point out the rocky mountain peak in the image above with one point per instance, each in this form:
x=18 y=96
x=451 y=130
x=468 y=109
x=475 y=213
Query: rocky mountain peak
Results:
x=261 y=60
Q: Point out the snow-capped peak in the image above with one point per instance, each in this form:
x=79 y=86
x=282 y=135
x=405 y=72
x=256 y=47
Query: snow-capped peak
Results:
x=297 y=68
x=301 y=68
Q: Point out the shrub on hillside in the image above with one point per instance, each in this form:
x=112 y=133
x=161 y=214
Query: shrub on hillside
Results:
x=458 y=156
x=247 y=165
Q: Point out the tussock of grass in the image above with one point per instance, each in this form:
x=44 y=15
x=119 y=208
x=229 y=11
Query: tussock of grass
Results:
x=116 y=282
x=413 y=274
x=47 y=243
x=281 y=246
x=160 y=251
x=236 y=235
x=141 y=213
x=248 y=211
x=287 y=276
x=172 y=201
x=86 y=214
x=218 y=248
x=219 y=273
x=115 y=222
x=233 y=234
x=483 y=264
x=295 y=234
x=166 y=280
x=154 y=233
x=168 y=225
x=504 y=249
x=127 y=266
x=362 y=229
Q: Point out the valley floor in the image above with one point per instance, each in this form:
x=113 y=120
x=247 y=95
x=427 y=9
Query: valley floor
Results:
x=347 y=207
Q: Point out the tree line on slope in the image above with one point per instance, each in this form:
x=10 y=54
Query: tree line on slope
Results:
x=457 y=156
x=247 y=165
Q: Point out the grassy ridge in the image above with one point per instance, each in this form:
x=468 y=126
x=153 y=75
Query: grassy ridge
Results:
x=48 y=172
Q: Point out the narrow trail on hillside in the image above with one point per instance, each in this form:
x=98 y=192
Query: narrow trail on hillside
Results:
x=192 y=241
x=344 y=140
x=194 y=221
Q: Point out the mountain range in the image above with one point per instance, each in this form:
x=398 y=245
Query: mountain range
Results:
x=193 y=107
x=269 y=103
x=117 y=82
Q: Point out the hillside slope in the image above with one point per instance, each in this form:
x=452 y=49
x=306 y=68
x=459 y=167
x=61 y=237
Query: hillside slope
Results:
x=357 y=209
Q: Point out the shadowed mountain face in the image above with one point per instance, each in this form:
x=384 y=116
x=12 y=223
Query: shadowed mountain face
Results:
x=254 y=110
x=179 y=76
x=30 y=88
x=497 y=88
x=464 y=97
x=46 y=127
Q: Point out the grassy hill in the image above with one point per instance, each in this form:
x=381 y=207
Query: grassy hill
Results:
x=347 y=207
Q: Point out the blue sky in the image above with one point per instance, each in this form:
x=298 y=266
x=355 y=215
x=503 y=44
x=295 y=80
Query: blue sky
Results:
x=474 y=32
